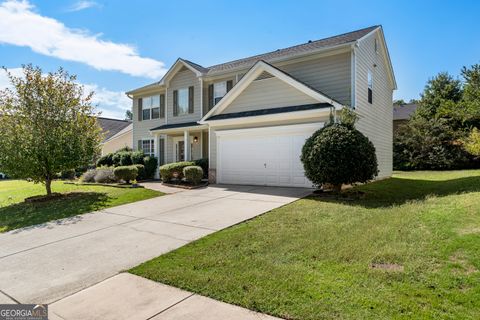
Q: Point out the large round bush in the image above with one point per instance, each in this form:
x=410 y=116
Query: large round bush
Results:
x=339 y=154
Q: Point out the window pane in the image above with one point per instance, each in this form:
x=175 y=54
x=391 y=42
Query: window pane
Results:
x=219 y=90
x=155 y=113
x=146 y=114
x=155 y=101
x=147 y=102
x=370 y=79
x=182 y=101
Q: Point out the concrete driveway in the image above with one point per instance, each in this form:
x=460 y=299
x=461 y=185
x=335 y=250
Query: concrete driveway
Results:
x=44 y=263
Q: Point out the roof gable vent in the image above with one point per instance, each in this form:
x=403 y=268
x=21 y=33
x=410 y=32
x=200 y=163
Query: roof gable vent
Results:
x=264 y=75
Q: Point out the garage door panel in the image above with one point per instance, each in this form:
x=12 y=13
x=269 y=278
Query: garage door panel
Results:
x=252 y=157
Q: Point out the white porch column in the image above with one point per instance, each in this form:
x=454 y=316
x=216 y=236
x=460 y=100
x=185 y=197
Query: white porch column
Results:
x=187 y=150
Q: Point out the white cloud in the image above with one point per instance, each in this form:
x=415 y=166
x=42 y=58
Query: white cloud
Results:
x=21 y=26
x=112 y=104
x=82 y=5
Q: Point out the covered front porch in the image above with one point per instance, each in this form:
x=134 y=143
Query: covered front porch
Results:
x=181 y=142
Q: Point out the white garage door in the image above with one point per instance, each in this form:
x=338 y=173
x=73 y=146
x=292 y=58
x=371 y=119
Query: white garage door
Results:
x=263 y=156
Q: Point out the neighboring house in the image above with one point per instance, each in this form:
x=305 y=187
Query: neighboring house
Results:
x=117 y=134
x=401 y=114
x=251 y=116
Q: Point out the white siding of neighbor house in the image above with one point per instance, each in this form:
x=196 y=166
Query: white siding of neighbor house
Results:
x=141 y=129
x=268 y=93
x=330 y=75
x=375 y=119
x=184 y=79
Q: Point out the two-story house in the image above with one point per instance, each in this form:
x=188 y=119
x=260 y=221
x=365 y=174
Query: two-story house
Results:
x=250 y=117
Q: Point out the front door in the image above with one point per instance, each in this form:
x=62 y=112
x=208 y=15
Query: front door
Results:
x=181 y=151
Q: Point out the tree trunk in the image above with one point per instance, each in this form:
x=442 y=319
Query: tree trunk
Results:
x=48 y=186
x=337 y=188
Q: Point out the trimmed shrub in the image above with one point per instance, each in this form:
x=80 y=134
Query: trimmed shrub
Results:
x=339 y=154
x=203 y=163
x=88 y=176
x=167 y=171
x=141 y=171
x=105 y=175
x=126 y=173
x=193 y=174
x=150 y=164
x=128 y=149
x=137 y=157
x=105 y=160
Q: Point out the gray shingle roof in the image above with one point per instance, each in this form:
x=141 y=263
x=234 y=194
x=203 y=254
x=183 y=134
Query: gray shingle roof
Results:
x=298 y=49
x=111 y=127
x=176 y=125
x=263 y=112
x=404 y=111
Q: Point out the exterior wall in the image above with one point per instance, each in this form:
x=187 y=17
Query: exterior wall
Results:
x=125 y=140
x=330 y=75
x=268 y=93
x=376 y=119
x=184 y=79
x=141 y=129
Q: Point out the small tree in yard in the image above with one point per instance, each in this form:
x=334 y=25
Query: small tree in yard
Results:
x=472 y=142
x=47 y=126
x=339 y=154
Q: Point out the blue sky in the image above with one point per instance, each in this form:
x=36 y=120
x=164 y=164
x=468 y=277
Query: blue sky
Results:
x=115 y=46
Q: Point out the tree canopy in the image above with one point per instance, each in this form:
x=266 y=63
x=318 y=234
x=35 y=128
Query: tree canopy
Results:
x=48 y=125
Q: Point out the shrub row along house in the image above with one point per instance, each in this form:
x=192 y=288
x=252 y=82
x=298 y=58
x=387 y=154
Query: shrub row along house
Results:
x=251 y=117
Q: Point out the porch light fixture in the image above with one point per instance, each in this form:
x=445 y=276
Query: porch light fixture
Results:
x=195 y=139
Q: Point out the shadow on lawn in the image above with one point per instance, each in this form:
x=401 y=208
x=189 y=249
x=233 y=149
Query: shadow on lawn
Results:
x=34 y=215
x=396 y=191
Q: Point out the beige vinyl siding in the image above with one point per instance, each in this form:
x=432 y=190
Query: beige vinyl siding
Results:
x=330 y=75
x=141 y=129
x=376 y=120
x=213 y=138
x=112 y=145
x=184 y=79
x=268 y=93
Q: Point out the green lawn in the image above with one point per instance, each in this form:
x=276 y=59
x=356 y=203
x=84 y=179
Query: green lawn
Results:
x=313 y=259
x=14 y=213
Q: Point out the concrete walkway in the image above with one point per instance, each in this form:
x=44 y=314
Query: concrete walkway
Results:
x=45 y=263
x=126 y=296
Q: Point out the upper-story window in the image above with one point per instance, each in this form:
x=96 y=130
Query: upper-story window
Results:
x=376 y=45
x=151 y=107
x=370 y=86
x=182 y=101
x=219 y=90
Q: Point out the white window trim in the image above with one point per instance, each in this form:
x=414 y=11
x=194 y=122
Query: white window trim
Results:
x=180 y=113
x=154 y=151
x=224 y=83
x=150 y=107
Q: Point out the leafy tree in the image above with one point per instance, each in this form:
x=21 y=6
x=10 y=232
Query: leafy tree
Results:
x=128 y=115
x=399 y=102
x=472 y=142
x=439 y=90
x=428 y=144
x=339 y=154
x=48 y=126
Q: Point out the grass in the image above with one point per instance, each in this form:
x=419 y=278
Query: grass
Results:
x=409 y=248
x=14 y=213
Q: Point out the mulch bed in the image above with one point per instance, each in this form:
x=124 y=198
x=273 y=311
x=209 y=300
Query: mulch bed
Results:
x=185 y=185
